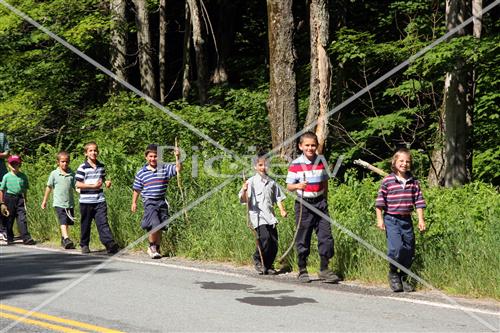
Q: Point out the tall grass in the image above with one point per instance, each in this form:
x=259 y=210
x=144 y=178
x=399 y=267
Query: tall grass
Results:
x=459 y=253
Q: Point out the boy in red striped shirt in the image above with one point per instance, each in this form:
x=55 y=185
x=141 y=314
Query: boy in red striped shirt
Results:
x=398 y=195
x=308 y=175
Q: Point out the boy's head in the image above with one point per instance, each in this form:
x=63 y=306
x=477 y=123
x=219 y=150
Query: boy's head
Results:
x=151 y=155
x=260 y=163
x=401 y=161
x=63 y=160
x=14 y=161
x=91 y=151
x=308 y=143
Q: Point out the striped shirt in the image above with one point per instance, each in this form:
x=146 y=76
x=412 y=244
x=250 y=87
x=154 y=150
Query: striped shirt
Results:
x=14 y=183
x=153 y=183
x=314 y=172
x=399 y=198
x=88 y=175
x=4 y=148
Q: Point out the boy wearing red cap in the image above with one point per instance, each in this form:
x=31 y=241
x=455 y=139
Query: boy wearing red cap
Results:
x=13 y=191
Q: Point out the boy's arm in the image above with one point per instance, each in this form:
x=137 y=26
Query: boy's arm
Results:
x=421 y=221
x=178 y=164
x=82 y=185
x=48 y=189
x=380 y=218
x=243 y=193
x=283 y=212
x=135 y=195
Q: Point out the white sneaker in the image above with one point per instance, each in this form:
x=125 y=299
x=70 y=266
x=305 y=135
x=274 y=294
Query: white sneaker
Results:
x=153 y=254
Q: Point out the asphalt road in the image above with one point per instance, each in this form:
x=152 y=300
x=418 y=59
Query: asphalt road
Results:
x=132 y=293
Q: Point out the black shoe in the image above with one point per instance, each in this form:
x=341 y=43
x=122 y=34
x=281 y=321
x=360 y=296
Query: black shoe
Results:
x=304 y=276
x=328 y=276
x=29 y=241
x=85 y=249
x=395 y=282
x=258 y=267
x=67 y=244
x=112 y=248
x=407 y=283
x=270 y=271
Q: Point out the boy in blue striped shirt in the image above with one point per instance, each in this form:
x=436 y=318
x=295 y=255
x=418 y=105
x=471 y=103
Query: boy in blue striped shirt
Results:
x=151 y=183
x=90 y=177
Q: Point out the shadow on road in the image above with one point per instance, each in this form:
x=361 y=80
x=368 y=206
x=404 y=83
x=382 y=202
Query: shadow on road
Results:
x=26 y=273
x=276 y=301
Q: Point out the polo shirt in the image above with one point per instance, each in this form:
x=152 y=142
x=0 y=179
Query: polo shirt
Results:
x=399 y=198
x=153 y=183
x=90 y=175
x=263 y=192
x=63 y=185
x=4 y=147
x=14 y=183
x=315 y=173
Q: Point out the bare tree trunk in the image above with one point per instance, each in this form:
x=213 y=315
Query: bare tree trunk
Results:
x=199 y=43
x=162 y=56
x=186 y=55
x=321 y=71
x=118 y=41
x=146 y=69
x=282 y=101
x=455 y=106
x=224 y=39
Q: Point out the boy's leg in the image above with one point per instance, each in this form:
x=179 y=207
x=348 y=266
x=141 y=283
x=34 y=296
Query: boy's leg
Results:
x=407 y=252
x=323 y=230
x=260 y=231
x=273 y=244
x=87 y=213
x=304 y=234
x=11 y=203
x=101 y=220
x=394 y=244
x=22 y=223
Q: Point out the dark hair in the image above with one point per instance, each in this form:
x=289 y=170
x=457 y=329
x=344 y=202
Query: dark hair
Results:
x=396 y=155
x=61 y=154
x=151 y=148
x=262 y=154
x=308 y=135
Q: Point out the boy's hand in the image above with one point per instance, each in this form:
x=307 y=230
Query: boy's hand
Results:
x=98 y=184
x=44 y=204
x=380 y=224
x=108 y=183
x=421 y=225
x=177 y=152
x=4 y=210
x=133 y=208
x=283 y=213
x=301 y=185
x=245 y=186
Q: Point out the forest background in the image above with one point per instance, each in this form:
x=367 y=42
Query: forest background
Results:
x=251 y=74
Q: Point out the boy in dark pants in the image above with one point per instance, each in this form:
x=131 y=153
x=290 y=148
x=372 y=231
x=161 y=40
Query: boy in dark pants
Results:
x=90 y=177
x=399 y=193
x=151 y=183
x=260 y=193
x=13 y=191
x=309 y=177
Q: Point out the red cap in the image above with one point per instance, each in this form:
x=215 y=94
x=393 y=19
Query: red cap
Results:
x=14 y=159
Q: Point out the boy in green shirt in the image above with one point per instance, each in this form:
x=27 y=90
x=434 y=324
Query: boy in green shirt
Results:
x=62 y=181
x=13 y=192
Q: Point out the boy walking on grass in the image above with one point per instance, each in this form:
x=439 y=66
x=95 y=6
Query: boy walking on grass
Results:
x=151 y=183
x=90 y=177
x=13 y=191
x=308 y=176
x=260 y=193
x=62 y=181
x=398 y=195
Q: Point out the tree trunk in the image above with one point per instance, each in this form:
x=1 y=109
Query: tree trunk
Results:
x=224 y=37
x=321 y=71
x=162 y=56
x=146 y=69
x=186 y=55
x=455 y=106
x=282 y=101
x=118 y=48
x=199 y=43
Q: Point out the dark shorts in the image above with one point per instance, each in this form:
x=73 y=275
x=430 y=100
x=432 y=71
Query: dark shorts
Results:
x=64 y=214
x=155 y=213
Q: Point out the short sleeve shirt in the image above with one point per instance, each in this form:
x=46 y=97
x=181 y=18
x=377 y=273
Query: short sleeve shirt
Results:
x=14 y=183
x=90 y=175
x=314 y=172
x=63 y=184
x=153 y=183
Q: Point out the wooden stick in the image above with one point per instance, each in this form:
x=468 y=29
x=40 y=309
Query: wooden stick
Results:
x=179 y=185
x=370 y=167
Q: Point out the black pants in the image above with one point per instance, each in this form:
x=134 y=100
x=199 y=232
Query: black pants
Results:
x=268 y=240
x=313 y=222
x=99 y=212
x=17 y=211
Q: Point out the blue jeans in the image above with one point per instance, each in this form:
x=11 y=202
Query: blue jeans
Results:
x=400 y=240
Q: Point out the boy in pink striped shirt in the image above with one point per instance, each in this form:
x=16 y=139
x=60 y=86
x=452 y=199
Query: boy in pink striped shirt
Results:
x=398 y=196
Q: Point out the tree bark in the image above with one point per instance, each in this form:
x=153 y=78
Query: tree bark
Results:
x=224 y=37
x=186 y=55
x=162 y=52
x=321 y=71
x=282 y=101
x=118 y=48
x=199 y=44
x=455 y=106
x=146 y=68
